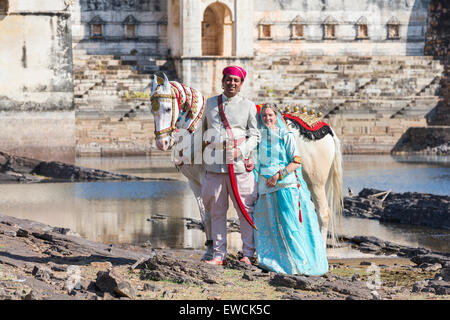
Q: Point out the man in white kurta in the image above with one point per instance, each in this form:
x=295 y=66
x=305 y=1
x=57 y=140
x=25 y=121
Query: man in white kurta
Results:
x=241 y=114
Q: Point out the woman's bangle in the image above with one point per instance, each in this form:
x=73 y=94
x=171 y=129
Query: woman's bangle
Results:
x=297 y=159
x=283 y=173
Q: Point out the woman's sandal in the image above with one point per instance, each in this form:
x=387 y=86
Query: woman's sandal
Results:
x=245 y=260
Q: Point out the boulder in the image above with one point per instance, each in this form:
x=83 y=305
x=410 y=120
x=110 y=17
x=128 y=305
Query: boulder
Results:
x=109 y=282
x=431 y=258
x=166 y=267
x=435 y=286
x=125 y=289
x=152 y=287
x=334 y=285
x=248 y=276
x=445 y=274
x=42 y=273
x=23 y=233
x=413 y=208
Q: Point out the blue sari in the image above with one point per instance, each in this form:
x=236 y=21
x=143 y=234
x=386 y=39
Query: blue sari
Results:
x=283 y=243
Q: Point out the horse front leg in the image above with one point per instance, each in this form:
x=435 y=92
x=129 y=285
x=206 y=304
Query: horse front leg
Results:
x=206 y=221
x=204 y=214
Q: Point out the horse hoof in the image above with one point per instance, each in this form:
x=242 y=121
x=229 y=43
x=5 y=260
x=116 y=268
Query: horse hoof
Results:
x=209 y=254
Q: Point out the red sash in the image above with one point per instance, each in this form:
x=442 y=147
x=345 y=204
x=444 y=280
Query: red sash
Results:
x=231 y=167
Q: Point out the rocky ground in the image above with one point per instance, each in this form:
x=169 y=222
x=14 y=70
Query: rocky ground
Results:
x=411 y=208
x=38 y=261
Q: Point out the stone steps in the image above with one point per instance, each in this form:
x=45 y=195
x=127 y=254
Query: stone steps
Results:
x=108 y=124
x=361 y=77
x=369 y=101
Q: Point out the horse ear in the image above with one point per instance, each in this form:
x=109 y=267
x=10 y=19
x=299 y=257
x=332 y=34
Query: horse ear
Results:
x=166 y=82
x=155 y=83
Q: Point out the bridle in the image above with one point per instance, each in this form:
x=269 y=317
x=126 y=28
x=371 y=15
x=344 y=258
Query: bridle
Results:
x=156 y=105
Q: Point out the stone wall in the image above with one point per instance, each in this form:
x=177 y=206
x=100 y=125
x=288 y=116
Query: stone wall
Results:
x=48 y=136
x=148 y=16
x=36 y=82
x=35 y=58
x=100 y=136
x=205 y=73
x=346 y=15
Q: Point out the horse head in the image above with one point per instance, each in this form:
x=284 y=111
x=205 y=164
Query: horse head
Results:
x=165 y=111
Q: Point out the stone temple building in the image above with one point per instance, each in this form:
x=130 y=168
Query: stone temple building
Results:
x=36 y=80
x=374 y=68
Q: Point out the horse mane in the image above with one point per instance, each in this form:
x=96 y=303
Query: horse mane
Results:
x=191 y=103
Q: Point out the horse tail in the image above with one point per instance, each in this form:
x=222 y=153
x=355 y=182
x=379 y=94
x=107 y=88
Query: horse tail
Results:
x=334 y=191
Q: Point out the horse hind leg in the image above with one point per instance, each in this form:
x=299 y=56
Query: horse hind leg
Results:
x=323 y=211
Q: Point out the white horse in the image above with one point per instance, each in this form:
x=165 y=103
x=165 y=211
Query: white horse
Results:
x=177 y=108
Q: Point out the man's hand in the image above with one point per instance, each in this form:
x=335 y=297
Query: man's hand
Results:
x=272 y=181
x=232 y=154
x=236 y=153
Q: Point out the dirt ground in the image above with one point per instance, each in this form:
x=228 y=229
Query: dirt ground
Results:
x=39 y=262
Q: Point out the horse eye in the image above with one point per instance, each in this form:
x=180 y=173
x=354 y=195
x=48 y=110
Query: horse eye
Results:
x=167 y=109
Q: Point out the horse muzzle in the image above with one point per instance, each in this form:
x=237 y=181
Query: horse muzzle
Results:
x=164 y=143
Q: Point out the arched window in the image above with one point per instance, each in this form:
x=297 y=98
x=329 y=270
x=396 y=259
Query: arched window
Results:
x=265 y=29
x=217 y=31
x=362 y=29
x=393 y=28
x=297 y=28
x=130 y=27
x=329 y=28
x=97 y=26
x=4 y=7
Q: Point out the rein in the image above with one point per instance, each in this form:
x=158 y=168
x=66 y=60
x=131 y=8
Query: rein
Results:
x=156 y=105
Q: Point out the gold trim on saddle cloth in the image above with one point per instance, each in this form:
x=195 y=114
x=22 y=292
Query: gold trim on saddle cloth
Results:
x=310 y=119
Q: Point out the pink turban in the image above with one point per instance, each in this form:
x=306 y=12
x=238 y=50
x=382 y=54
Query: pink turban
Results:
x=235 y=71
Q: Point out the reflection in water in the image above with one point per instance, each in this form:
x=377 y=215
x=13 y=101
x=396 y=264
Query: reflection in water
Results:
x=117 y=212
x=112 y=212
x=413 y=236
x=400 y=175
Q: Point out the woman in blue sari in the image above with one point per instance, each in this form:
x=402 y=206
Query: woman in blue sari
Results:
x=288 y=240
